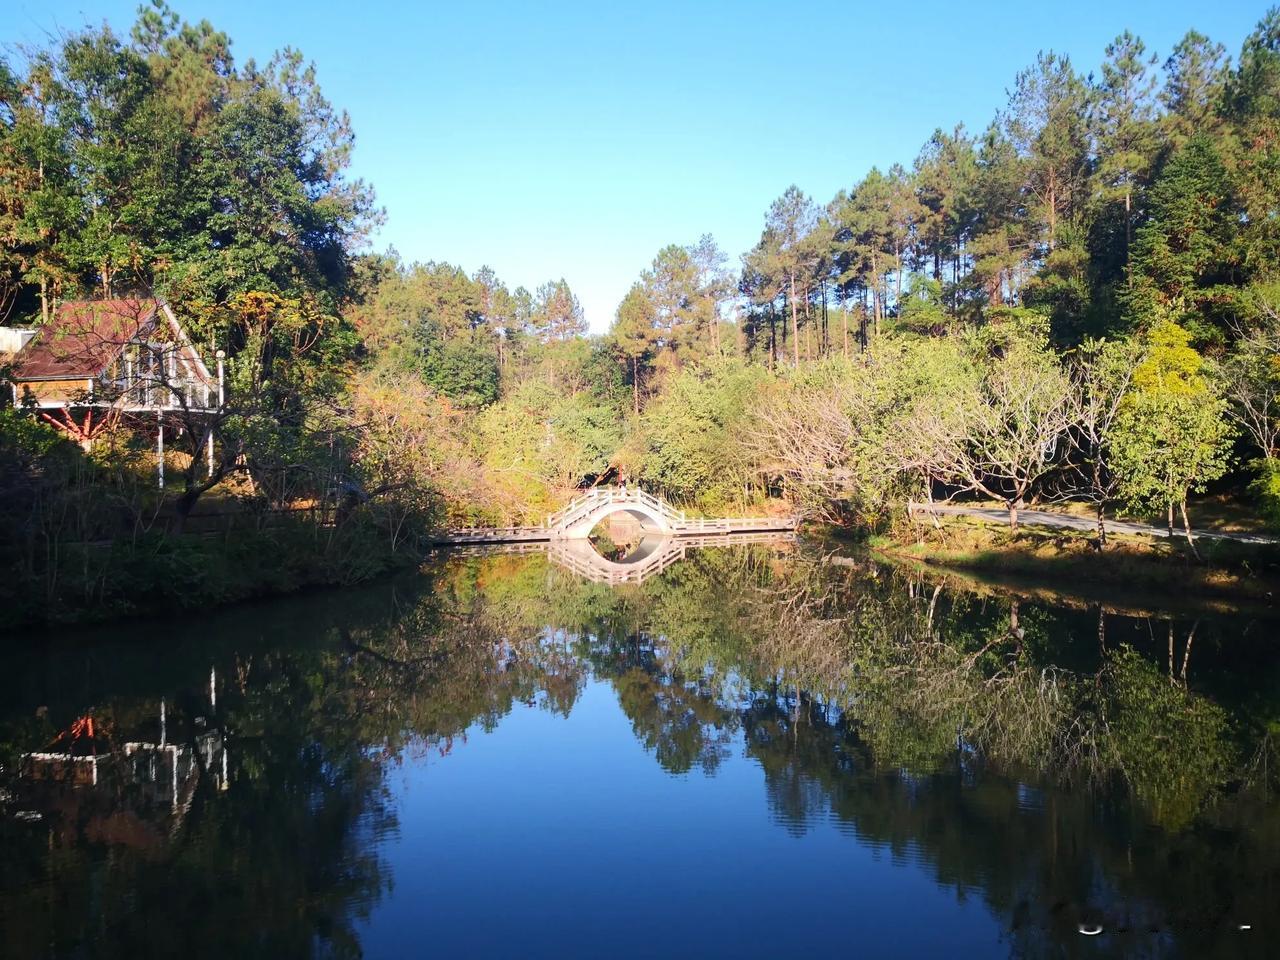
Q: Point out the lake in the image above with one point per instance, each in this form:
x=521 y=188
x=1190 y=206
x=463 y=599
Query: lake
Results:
x=758 y=750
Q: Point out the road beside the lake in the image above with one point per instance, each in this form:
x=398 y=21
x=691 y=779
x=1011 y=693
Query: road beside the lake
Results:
x=1045 y=518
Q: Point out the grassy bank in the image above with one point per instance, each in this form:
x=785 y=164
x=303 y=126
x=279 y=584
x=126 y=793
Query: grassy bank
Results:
x=1129 y=567
x=186 y=575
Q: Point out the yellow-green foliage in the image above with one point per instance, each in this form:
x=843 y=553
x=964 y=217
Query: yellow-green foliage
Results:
x=693 y=442
x=537 y=443
x=1171 y=436
x=1171 y=365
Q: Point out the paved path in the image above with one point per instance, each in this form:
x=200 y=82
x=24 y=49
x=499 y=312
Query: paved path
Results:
x=1044 y=518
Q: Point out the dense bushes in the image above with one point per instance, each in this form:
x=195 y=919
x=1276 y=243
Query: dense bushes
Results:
x=1265 y=488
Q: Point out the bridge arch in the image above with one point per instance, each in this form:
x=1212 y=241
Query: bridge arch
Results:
x=579 y=527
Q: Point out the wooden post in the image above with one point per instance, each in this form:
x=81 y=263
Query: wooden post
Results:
x=160 y=448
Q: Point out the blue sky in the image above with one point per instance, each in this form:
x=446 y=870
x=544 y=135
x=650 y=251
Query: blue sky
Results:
x=576 y=139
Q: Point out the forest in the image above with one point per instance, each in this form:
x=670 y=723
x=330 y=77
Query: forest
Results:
x=1080 y=302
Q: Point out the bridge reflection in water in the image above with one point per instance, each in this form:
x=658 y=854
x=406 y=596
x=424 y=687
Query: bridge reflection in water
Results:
x=640 y=561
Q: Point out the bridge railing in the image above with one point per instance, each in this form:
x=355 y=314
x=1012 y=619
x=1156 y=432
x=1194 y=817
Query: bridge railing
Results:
x=597 y=496
x=661 y=506
x=730 y=524
x=580 y=503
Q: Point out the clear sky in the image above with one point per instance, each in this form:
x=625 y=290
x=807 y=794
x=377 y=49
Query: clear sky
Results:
x=576 y=139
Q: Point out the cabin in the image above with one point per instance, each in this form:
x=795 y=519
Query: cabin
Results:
x=111 y=356
x=13 y=339
x=129 y=354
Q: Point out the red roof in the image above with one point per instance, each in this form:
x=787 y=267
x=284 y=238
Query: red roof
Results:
x=83 y=338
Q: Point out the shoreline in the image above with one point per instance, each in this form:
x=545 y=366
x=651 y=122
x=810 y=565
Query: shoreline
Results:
x=1066 y=566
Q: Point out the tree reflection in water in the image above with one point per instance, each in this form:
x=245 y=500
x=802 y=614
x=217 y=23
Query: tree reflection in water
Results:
x=1062 y=764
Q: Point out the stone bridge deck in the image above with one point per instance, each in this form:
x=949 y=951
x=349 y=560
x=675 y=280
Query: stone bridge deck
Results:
x=576 y=520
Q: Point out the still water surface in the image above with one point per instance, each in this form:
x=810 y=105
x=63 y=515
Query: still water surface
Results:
x=755 y=752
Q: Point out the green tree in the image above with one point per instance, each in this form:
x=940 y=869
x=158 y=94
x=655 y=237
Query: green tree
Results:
x=1125 y=128
x=191 y=66
x=1184 y=255
x=1253 y=104
x=125 y=149
x=1102 y=372
x=556 y=313
x=712 y=291
x=1195 y=81
x=1171 y=436
x=1047 y=123
x=634 y=333
x=465 y=369
x=1007 y=438
x=40 y=207
x=1002 y=237
x=865 y=238
x=790 y=219
x=942 y=173
x=693 y=440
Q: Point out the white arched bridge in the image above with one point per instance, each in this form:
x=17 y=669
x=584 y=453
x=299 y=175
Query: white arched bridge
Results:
x=656 y=518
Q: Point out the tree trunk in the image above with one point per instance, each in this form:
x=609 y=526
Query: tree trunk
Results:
x=955 y=282
x=635 y=385
x=795 y=323
x=1013 y=516
x=184 y=505
x=808 y=330
x=773 y=339
x=1102 y=525
x=1053 y=206
x=1186 y=526
x=897 y=299
x=1128 y=229
x=825 y=348
x=1170 y=519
